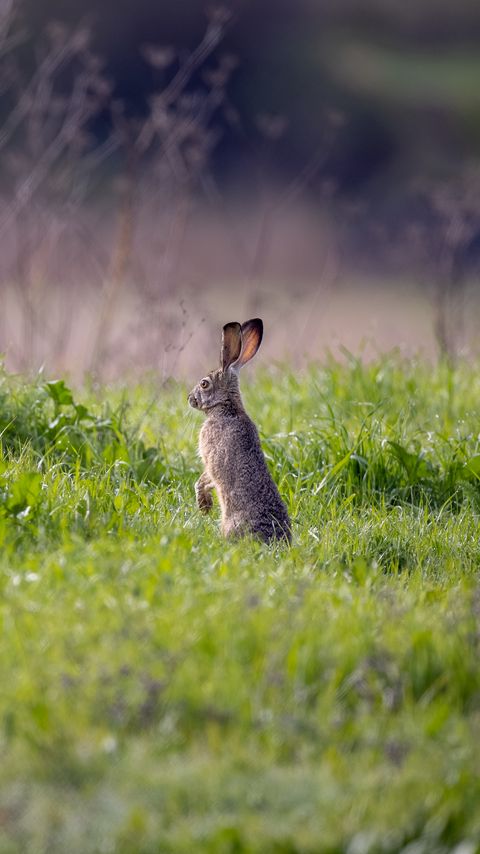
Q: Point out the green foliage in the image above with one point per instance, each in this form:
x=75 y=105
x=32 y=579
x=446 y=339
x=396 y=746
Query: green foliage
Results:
x=165 y=690
x=63 y=444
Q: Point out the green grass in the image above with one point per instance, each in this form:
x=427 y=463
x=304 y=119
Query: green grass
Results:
x=165 y=691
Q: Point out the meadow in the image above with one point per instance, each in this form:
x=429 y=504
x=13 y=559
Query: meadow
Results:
x=163 y=690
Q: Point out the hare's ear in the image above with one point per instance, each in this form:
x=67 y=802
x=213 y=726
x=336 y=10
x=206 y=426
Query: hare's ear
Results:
x=252 y=333
x=231 y=344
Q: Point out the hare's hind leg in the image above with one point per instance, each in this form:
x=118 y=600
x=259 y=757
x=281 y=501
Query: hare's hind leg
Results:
x=203 y=492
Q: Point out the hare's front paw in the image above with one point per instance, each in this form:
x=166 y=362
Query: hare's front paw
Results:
x=204 y=501
x=203 y=492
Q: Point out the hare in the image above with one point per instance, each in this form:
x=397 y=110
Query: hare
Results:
x=230 y=447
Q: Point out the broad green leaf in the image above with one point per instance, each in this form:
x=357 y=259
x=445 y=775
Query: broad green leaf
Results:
x=59 y=392
x=24 y=492
x=472 y=466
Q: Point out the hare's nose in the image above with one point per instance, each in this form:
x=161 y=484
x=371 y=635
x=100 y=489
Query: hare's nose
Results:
x=193 y=400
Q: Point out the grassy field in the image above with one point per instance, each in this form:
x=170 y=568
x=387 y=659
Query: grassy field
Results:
x=165 y=691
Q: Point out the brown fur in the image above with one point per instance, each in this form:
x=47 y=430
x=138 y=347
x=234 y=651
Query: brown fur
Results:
x=230 y=447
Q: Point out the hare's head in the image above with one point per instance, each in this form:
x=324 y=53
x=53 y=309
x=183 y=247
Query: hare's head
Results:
x=240 y=342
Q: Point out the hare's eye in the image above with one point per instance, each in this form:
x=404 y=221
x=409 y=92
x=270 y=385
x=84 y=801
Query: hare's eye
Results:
x=205 y=383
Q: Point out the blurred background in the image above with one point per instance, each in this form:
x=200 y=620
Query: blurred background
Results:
x=168 y=167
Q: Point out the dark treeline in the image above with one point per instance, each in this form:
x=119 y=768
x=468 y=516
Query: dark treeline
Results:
x=402 y=76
